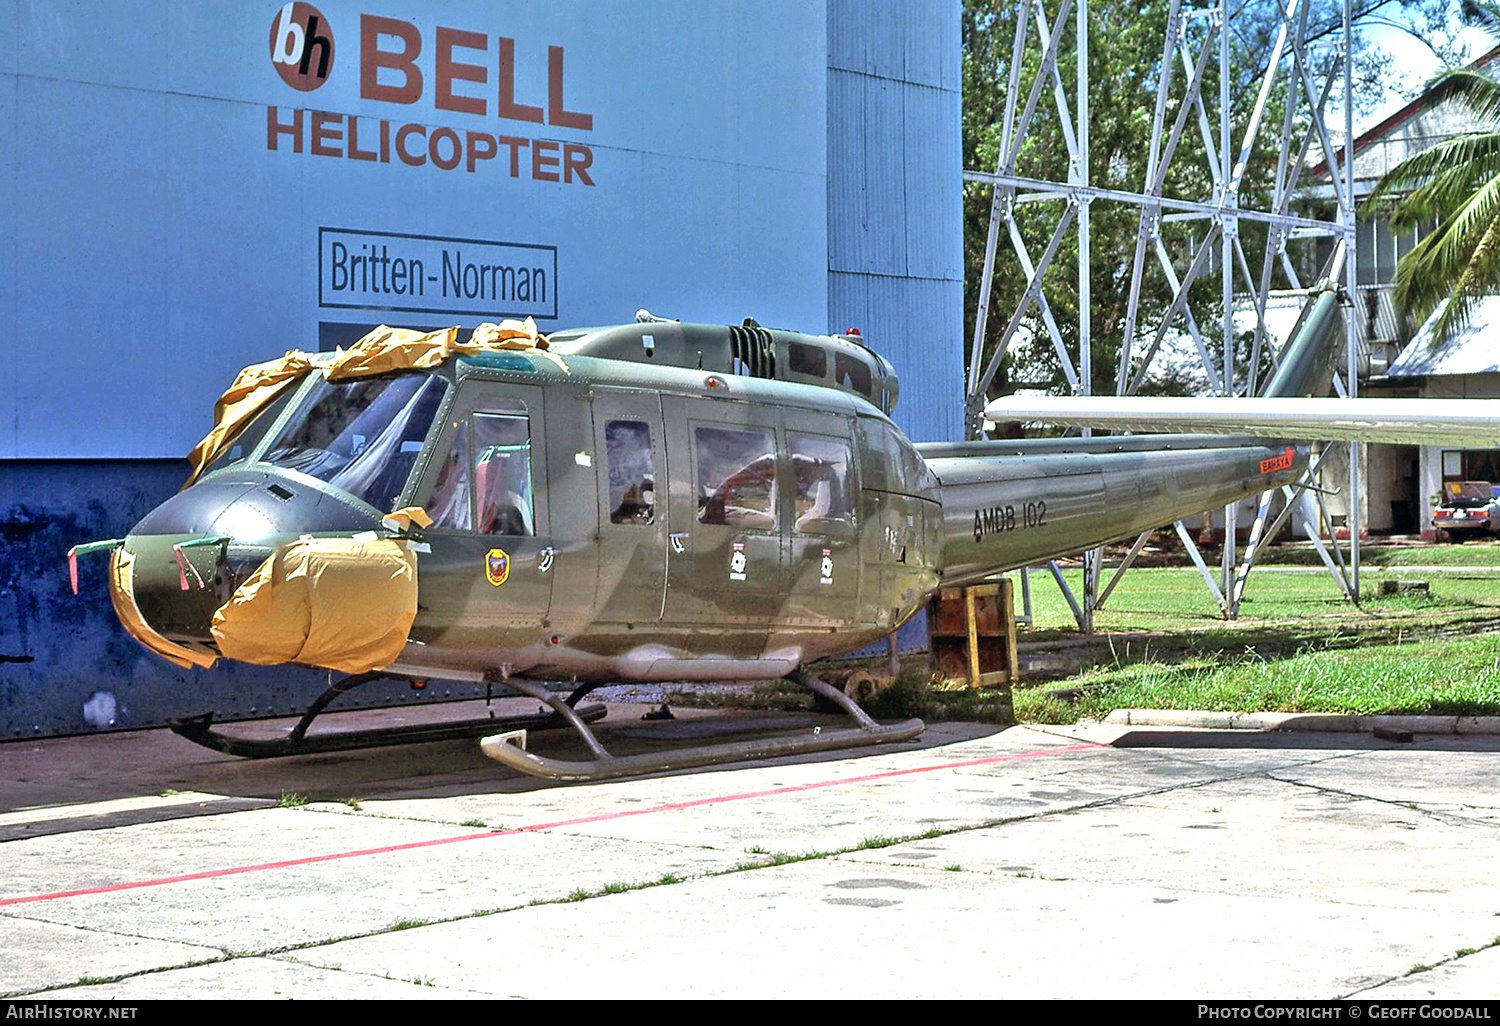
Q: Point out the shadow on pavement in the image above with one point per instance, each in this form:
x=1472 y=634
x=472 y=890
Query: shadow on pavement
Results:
x=51 y=786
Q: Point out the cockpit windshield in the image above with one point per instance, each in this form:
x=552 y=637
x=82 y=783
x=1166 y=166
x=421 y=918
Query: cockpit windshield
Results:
x=249 y=437
x=362 y=436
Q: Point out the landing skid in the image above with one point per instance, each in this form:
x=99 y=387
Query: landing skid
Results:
x=508 y=748
x=199 y=729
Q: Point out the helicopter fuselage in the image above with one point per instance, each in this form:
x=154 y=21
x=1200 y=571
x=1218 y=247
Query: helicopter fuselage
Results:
x=686 y=525
x=593 y=519
x=600 y=518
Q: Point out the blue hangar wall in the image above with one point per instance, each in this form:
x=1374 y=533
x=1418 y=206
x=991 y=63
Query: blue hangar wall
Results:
x=189 y=187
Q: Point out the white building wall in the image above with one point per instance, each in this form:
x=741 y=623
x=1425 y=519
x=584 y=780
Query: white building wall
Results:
x=157 y=237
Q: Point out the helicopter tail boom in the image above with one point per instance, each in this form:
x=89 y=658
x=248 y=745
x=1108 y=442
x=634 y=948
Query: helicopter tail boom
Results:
x=1005 y=511
x=1008 y=504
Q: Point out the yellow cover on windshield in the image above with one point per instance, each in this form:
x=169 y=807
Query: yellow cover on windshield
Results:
x=392 y=349
x=255 y=386
x=382 y=351
x=346 y=604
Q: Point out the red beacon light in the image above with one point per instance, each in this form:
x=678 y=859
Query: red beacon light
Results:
x=853 y=331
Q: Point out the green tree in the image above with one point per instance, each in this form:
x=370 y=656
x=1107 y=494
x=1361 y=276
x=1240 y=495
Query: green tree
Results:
x=1456 y=185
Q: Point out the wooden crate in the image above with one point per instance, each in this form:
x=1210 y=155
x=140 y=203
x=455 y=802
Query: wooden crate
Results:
x=971 y=634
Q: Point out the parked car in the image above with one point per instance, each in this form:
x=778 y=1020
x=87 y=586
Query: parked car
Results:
x=1466 y=509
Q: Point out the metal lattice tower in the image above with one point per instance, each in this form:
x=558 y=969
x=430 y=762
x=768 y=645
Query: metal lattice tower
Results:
x=1218 y=215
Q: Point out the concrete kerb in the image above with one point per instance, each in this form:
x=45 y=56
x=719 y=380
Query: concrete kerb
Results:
x=1332 y=722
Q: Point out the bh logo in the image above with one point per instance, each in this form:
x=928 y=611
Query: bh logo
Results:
x=301 y=46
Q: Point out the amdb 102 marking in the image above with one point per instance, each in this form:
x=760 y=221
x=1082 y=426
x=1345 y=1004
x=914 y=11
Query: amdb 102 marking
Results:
x=998 y=519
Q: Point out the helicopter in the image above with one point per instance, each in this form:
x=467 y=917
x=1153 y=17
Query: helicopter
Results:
x=646 y=502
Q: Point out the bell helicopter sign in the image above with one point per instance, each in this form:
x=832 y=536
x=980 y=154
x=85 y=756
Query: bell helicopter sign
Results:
x=265 y=175
x=458 y=71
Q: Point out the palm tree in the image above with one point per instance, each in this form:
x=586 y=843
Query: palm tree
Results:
x=1455 y=184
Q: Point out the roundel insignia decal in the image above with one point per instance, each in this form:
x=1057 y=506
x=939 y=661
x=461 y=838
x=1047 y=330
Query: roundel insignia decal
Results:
x=497 y=566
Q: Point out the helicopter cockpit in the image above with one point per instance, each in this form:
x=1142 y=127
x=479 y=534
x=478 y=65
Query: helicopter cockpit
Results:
x=360 y=436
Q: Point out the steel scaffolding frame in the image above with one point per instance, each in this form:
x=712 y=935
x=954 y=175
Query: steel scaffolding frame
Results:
x=1221 y=213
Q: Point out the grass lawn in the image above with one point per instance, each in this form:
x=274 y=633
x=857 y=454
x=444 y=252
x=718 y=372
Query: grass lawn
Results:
x=1297 y=646
x=1440 y=677
x=1477 y=553
x=1176 y=598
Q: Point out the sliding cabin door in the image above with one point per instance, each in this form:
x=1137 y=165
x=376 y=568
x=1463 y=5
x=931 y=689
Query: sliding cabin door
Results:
x=631 y=462
x=726 y=520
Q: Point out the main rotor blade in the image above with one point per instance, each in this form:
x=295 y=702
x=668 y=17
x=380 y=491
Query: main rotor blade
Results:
x=1473 y=423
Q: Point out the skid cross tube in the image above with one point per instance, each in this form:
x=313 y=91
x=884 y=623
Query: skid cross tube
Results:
x=200 y=730
x=603 y=766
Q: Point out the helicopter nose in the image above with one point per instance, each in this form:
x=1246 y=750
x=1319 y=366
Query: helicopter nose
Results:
x=175 y=582
x=266 y=570
x=168 y=619
x=254 y=508
x=184 y=559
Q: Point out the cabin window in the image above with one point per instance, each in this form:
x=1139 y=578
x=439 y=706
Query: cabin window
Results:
x=632 y=479
x=502 y=474
x=851 y=372
x=362 y=436
x=820 y=468
x=736 y=478
x=806 y=359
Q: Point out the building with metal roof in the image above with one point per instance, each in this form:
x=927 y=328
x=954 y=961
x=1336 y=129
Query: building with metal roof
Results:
x=1395 y=357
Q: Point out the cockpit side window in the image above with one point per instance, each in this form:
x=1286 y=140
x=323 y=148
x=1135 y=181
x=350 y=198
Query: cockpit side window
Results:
x=736 y=477
x=632 y=478
x=502 y=474
x=820 y=467
x=487 y=467
x=361 y=436
x=450 y=504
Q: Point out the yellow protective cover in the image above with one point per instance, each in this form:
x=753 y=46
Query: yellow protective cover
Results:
x=382 y=351
x=388 y=349
x=391 y=349
x=402 y=519
x=341 y=603
x=122 y=594
x=256 y=386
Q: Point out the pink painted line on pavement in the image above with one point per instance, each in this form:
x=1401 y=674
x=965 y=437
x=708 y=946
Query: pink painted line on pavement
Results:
x=580 y=821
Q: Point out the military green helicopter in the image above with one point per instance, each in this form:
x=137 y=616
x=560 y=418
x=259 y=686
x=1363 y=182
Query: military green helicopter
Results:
x=653 y=501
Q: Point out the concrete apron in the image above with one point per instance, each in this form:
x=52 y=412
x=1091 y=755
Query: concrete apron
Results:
x=1097 y=861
